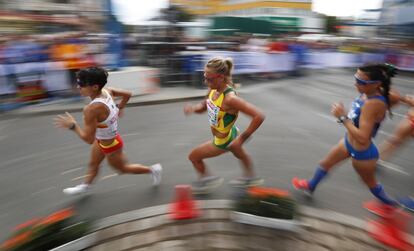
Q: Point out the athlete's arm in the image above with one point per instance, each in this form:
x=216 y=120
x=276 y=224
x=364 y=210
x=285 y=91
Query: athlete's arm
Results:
x=408 y=100
x=232 y=102
x=367 y=120
x=198 y=108
x=123 y=94
x=90 y=120
x=87 y=134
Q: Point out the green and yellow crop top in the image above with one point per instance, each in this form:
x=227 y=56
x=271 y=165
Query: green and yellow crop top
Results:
x=219 y=119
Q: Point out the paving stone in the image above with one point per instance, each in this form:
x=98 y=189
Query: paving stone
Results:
x=174 y=245
x=320 y=248
x=196 y=243
x=259 y=243
x=222 y=241
x=358 y=235
x=216 y=214
x=180 y=231
x=221 y=226
x=322 y=239
x=108 y=246
x=142 y=239
x=144 y=224
x=110 y=232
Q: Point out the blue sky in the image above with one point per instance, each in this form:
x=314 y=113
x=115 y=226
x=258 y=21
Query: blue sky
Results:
x=138 y=11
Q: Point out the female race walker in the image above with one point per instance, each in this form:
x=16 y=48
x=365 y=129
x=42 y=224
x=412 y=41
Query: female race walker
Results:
x=403 y=131
x=362 y=123
x=101 y=128
x=223 y=106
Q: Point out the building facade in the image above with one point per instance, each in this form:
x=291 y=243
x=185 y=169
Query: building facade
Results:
x=296 y=14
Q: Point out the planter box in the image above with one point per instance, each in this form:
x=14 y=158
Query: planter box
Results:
x=251 y=219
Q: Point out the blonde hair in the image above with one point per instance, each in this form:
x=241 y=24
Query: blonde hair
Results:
x=222 y=66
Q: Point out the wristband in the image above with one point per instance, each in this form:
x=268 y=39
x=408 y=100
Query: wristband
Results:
x=73 y=126
x=342 y=119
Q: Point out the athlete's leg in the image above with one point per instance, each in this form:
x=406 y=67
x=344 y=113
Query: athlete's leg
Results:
x=249 y=177
x=94 y=164
x=245 y=160
x=337 y=154
x=119 y=161
x=403 y=131
x=201 y=152
x=97 y=156
x=366 y=170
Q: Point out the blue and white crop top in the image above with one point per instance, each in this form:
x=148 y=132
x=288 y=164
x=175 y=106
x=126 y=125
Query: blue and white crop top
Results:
x=355 y=112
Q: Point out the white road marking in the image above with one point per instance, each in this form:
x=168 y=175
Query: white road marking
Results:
x=109 y=176
x=385 y=133
x=35 y=155
x=80 y=177
x=330 y=118
x=398 y=114
x=393 y=167
x=131 y=134
x=410 y=80
x=43 y=190
x=125 y=186
x=71 y=170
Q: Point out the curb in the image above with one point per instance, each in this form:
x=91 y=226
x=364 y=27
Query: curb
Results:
x=92 y=238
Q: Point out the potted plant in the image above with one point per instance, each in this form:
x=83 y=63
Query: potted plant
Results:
x=267 y=207
x=46 y=233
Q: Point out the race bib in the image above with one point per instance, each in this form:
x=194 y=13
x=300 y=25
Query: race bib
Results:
x=213 y=113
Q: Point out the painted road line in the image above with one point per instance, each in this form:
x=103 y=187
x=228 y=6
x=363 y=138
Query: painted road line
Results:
x=109 y=176
x=393 y=167
x=71 y=170
x=80 y=177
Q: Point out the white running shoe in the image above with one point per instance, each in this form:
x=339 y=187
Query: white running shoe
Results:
x=206 y=185
x=156 y=171
x=79 y=189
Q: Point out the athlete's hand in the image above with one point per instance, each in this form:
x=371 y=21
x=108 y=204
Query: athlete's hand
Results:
x=338 y=110
x=64 y=121
x=188 y=109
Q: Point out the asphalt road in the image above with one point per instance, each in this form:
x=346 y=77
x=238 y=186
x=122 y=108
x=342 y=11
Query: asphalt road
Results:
x=38 y=160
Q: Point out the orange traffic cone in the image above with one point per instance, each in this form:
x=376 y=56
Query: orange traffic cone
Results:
x=184 y=206
x=391 y=229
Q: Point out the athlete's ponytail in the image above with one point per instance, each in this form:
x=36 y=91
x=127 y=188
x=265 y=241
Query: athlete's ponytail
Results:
x=382 y=73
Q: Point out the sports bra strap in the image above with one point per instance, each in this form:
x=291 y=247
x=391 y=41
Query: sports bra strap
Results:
x=228 y=90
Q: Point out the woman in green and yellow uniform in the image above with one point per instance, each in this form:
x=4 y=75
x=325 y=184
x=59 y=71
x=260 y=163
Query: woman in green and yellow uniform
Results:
x=223 y=106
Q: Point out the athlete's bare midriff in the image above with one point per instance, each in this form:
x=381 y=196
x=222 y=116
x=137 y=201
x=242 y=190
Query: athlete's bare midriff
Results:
x=218 y=134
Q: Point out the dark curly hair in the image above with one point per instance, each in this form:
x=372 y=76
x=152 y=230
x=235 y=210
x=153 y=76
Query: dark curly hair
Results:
x=382 y=73
x=92 y=76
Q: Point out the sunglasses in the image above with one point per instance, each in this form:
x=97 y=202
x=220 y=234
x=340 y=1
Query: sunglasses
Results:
x=211 y=78
x=364 y=82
